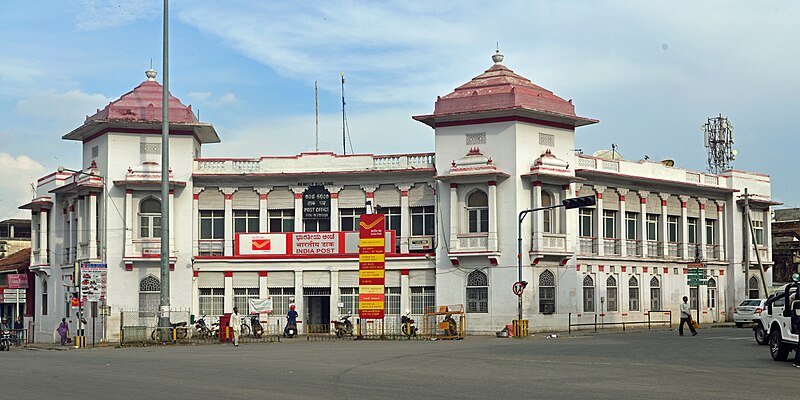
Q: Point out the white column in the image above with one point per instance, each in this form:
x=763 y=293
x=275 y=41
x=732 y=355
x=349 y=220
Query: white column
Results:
x=702 y=239
x=228 y=301
x=684 y=243
x=196 y=220
x=228 y=245
x=722 y=246
x=598 y=220
x=263 y=215
x=334 y=301
x=492 y=245
x=79 y=228
x=334 y=191
x=643 y=221
x=67 y=236
x=405 y=292
x=405 y=217
x=623 y=223
x=569 y=221
x=195 y=295
x=454 y=213
x=537 y=222
x=171 y=199
x=44 y=216
x=369 y=192
x=92 y=225
x=73 y=232
x=299 y=300
x=35 y=216
x=664 y=227
x=298 y=208
x=128 y=231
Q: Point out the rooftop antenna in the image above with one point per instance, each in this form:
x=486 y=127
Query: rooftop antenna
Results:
x=718 y=140
x=345 y=129
x=316 y=116
x=613 y=151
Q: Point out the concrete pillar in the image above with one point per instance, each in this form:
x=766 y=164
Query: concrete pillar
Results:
x=664 y=227
x=492 y=239
x=263 y=289
x=171 y=199
x=44 y=217
x=196 y=220
x=263 y=214
x=334 y=191
x=73 y=233
x=299 y=300
x=92 y=224
x=598 y=220
x=537 y=220
x=684 y=239
x=334 y=302
x=622 y=231
x=405 y=292
x=228 y=301
x=67 y=236
x=195 y=295
x=405 y=217
x=569 y=220
x=298 y=209
x=454 y=215
x=643 y=221
x=702 y=239
x=128 y=232
x=228 y=245
x=720 y=231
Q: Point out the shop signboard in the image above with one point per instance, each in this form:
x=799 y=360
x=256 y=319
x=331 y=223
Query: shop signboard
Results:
x=316 y=203
x=315 y=243
x=93 y=281
x=371 y=266
x=310 y=244
x=17 y=281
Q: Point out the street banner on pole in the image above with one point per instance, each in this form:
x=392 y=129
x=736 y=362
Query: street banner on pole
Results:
x=261 y=306
x=93 y=282
x=371 y=266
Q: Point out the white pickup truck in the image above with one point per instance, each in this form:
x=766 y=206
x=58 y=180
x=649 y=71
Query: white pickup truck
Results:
x=779 y=329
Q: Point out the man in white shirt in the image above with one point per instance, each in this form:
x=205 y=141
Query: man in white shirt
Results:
x=686 y=317
x=235 y=325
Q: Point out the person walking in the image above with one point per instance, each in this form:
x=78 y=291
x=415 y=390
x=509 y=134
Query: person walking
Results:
x=236 y=325
x=686 y=317
x=63 y=331
x=18 y=325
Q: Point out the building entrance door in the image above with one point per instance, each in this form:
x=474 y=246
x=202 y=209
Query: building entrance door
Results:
x=318 y=309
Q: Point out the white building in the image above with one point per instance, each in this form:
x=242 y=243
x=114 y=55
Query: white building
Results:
x=503 y=144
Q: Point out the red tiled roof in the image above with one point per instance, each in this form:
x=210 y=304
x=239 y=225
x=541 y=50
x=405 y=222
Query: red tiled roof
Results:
x=16 y=261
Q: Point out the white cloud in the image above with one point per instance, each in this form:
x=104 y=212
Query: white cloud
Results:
x=198 y=96
x=17 y=173
x=102 y=14
x=228 y=98
x=60 y=112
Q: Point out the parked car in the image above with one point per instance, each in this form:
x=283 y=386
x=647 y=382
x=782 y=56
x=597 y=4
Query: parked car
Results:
x=763 y=320
x=746 y=312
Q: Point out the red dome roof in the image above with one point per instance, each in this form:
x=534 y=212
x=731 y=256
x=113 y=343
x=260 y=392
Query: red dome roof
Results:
x=143 y=104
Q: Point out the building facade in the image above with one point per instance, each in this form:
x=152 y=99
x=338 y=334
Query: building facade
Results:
x=286 y=227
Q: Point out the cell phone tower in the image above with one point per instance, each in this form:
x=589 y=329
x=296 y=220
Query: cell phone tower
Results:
x=718 y=139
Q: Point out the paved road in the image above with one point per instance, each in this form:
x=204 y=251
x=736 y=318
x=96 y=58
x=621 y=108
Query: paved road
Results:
x=719 y=363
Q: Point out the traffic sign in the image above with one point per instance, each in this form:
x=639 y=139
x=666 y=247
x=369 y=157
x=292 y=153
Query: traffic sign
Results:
x=518 y=288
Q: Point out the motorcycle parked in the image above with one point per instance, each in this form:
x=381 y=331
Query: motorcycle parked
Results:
x=255 y=326
x=5 y=340
x=407 y=326
x=343 y=326
x=203 y=330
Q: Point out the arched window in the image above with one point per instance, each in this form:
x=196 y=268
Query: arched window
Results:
x=588 y=294
x=611 y=294
x=477 y=292
x=150 y=218
x=547 y=293
x=633 y=294
x=752 y=285
x=478 y=210
x=712 y=293
x=149 y=295
x=655 y=294
x=547 y=215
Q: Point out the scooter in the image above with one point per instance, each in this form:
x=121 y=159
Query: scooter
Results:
x=343 y=326
x=5 y=341
x=256 y=327
x=291 y=330
x=407 y=326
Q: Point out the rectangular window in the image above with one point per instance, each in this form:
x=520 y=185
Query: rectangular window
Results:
x=672 y=228
x=609 y=224
x=212 y=301
x=392 y=218
x=655 y=299
x=547 y=299
x=588 y=298
x=423 y=222
x=693 y=298
x=611 y=293
x=212 y=224
x=149 y=226
x=348 y=296
x=391 y=306
x=349 y=218
x=281 y=298
x=477 y=299
x=693 y=226
x=710 y=228
x=547 y=221
x=712 y=298
x=281 y=220
x=478 y=220
x=630 y=226
x=241 y=297
x=585 y=222
x=633 y=298
x=422 y=298
x=758 y=227
x=652 y=227
x=245 y=221
x=44 y=297
x=317 y=225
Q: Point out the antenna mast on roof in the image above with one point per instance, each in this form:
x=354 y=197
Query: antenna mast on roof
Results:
x=316 y=116
x=718 y=139
x=344 y=120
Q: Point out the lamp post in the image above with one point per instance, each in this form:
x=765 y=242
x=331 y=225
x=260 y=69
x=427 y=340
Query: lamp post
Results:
x=575 y=202
x=101 y=250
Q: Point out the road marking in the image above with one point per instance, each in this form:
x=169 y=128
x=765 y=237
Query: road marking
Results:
x=726 y=338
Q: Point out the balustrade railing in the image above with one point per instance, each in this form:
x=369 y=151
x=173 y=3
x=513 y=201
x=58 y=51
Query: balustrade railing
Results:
x=611 y=246
x=654 y=249
x=633 y=248
x=587 y=245
x=473 y=241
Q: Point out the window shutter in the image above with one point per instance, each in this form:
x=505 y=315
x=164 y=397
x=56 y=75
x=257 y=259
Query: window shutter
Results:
x=211 y=199
x=352 y=197
x=425 y=277
x=421 y=195
x=392 y=278
x=245 y=199
x=211 y=280
x=245 y=279
x=348 y=278
x=280 y=198
x=673 y=206
x=316 y=279
x=280 y=279
x=387 y=196
x=653 y=204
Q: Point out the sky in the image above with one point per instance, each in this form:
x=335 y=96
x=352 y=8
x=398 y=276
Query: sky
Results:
x=651 y=72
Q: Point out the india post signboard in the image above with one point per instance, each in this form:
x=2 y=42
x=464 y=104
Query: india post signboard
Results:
x=371 y=266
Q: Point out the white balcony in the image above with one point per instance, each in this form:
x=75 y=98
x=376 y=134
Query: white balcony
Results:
x=551 y=243
x=472 y=242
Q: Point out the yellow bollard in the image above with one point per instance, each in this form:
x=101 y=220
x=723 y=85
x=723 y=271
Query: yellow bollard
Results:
x=174 y=335
x=521 y=328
